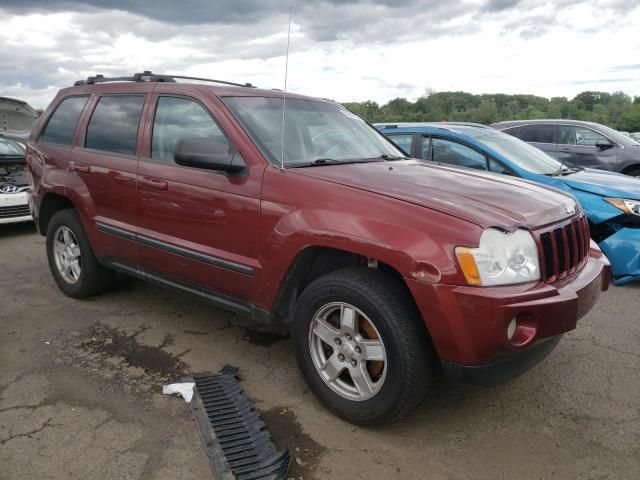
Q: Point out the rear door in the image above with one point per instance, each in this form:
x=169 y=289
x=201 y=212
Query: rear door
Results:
x=197 y=226
x=106 y=161
x=577 y=145
x=540 y=135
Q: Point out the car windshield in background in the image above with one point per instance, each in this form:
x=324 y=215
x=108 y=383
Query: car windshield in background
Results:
x=617 y=136
x=523 y=155
x=11 y=148
x=320 y=132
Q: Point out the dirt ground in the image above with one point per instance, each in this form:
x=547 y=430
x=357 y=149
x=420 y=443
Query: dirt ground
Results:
x=80 y=385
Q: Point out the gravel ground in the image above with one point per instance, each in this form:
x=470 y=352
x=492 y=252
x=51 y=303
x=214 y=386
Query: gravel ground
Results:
x=80 y=398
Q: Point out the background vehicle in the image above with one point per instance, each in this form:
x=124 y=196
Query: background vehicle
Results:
x=16 y=118
x=583 y=144
x=635 y=136
x=384 y=269
x=610 y=200
x=14 y=206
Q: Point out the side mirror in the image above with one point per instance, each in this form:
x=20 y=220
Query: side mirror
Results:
x=604 y=144
x=209 y=153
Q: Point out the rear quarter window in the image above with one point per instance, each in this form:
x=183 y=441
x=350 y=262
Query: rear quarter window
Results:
x=63 y=121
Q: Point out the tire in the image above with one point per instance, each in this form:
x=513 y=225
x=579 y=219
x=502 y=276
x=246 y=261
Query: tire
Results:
x=635 y=172
x=90 y=278
x=378 y=299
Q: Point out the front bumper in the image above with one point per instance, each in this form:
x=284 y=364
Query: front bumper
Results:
x=623 y=251
x=468 y=325
x=14 y=208
x=504 y=368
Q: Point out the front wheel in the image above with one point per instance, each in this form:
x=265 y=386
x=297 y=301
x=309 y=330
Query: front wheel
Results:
x=361 y=346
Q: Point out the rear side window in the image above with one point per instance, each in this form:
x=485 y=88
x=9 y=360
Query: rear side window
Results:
x=62 y=123
x=403 y=141
x=178 y=118
x=537 y=133
x=114 y=124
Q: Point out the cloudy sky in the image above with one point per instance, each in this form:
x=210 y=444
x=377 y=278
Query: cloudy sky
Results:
x=340 y=49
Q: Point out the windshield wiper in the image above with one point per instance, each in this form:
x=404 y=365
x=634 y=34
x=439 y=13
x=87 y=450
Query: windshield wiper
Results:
x=391 y=158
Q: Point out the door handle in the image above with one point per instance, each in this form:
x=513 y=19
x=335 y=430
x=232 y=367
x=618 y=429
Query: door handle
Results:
x=79 y=167
x=564 y=150
x=155 y=184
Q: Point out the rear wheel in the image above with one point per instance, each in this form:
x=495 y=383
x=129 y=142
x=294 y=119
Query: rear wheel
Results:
x=361 y=346
x=71 y=260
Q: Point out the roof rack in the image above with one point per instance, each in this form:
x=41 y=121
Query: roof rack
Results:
x=147 y=76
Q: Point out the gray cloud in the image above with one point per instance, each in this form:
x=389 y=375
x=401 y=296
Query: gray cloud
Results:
x=206 y=32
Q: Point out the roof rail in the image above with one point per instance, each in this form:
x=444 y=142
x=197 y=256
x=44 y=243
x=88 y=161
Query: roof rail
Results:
x=147 y=76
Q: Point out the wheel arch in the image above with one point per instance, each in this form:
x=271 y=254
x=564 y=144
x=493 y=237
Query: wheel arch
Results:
x=51 y=204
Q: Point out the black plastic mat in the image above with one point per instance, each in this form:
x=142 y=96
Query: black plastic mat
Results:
x=234 y=436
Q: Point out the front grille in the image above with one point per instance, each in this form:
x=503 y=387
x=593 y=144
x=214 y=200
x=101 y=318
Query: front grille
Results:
x=14 y=211
x=564 y=249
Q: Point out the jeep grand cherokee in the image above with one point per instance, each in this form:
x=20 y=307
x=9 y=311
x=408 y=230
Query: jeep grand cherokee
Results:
x=385 y=269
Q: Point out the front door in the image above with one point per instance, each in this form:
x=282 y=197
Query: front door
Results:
x=196 y=226
x=578 y=145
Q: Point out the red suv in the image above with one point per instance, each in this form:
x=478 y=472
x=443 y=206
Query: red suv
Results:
x=386 y=270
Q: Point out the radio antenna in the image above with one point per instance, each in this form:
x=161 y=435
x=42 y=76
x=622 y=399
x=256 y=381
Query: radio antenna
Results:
x=284 y=93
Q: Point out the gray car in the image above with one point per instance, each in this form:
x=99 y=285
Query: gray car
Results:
x=584 y=144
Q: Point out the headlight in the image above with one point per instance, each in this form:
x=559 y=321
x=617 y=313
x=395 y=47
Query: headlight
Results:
x=632 y=207
x=502 y=258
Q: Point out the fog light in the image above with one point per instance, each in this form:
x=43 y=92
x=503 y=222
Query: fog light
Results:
x=511 y=329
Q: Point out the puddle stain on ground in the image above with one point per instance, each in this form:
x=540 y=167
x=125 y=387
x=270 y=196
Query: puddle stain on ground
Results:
x=112 y=342
x=263 y=339
x=305 y=451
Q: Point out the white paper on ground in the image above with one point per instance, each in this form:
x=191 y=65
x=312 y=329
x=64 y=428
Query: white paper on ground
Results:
x=185 y=389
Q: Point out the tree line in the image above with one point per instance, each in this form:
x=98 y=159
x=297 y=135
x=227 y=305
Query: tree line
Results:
x=617 y=110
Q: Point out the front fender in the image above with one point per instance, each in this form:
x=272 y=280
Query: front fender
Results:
x=407 y=237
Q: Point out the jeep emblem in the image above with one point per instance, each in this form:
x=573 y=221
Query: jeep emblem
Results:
x=570 y=209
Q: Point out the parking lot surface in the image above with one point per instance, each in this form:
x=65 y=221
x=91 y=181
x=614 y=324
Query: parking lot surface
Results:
x=80 y=385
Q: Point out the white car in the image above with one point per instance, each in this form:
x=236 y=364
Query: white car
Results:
x=16 y=120
x=14 y=205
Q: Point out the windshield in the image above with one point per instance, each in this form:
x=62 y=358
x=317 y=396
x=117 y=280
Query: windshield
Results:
x=617 y=136
x=522 y=154
x=316 y=131
x=11 y=148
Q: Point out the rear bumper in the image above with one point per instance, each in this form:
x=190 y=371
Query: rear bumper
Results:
x=14 y=208
x=468 y=325
x=623 y=251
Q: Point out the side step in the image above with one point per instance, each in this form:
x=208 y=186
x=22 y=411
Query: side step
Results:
x=234 y=436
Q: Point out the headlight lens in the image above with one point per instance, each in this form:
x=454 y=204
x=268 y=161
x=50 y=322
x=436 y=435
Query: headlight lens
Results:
x=503 y=258
x=632 y=207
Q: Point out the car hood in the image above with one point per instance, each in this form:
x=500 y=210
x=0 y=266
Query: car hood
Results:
x=486 y=199
x=17 y=118
x=607 y=184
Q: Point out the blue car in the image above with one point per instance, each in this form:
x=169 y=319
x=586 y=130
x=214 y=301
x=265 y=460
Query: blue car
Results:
x=610 y=200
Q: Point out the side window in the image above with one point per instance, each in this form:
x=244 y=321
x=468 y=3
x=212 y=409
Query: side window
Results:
x=497 y=167
x=403 y=141
x=566 y=135
x=537 y=133
x=588 y=137
x=114 y=124
x=178 y=118
x=453 y=153
x=62 y=123
x=513 y=131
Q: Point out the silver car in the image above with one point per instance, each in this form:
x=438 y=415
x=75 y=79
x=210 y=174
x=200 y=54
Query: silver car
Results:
x=16 y=120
